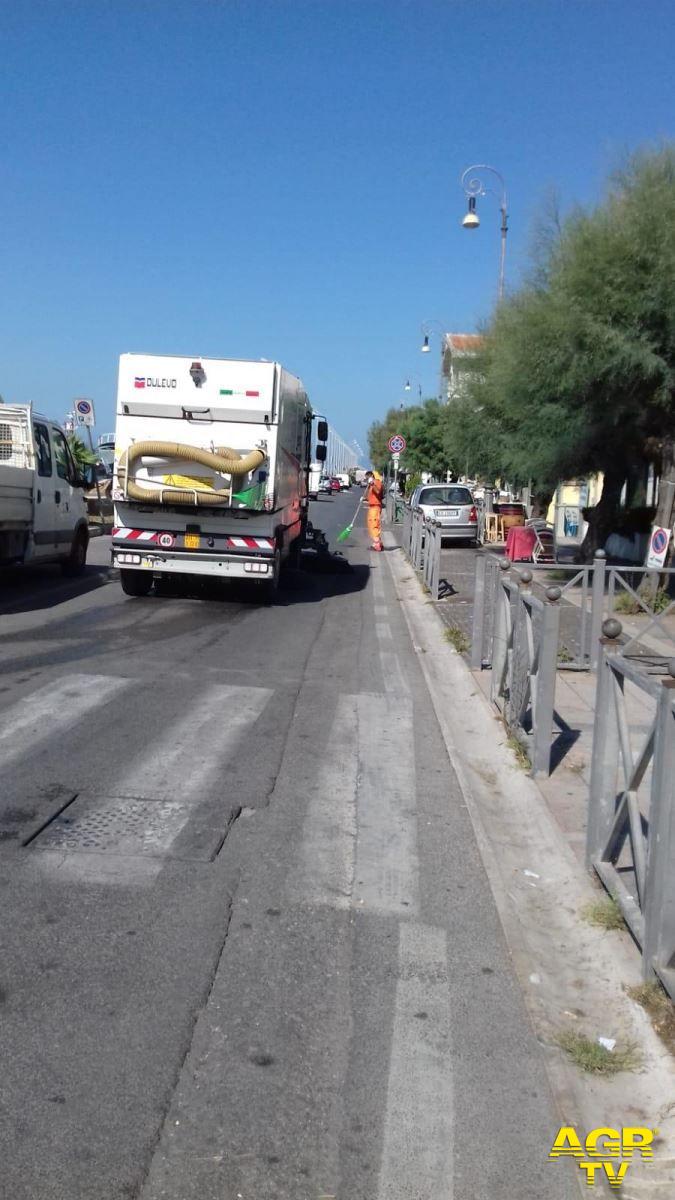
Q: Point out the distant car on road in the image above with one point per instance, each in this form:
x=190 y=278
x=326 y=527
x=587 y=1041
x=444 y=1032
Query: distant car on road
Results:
x=335 y=485
x=324 y=486
x=452 y=504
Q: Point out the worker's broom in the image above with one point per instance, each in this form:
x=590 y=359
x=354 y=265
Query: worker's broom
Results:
x=342 y=537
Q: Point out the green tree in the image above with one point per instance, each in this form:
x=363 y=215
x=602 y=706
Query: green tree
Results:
x=82 y=457
x=422 y=426
x=579 y=364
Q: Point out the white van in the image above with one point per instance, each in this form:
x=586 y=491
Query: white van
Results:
x=43 y=514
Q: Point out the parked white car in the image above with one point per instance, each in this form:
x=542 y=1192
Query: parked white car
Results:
x=452 y=504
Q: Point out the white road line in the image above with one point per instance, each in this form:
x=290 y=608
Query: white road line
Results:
x=417 y=1153
x=359 y=839
x=194 y=748
x=378 y=583
x=381 y=611
x=325 y=867
x=383 y=631
x=52 y=710
x=387 y=872
x=395 y=682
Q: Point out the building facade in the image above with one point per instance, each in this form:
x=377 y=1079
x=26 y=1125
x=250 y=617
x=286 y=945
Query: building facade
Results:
x=458 y=360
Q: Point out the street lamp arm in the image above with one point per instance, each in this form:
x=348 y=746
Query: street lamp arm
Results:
x=474 y=186
x=428 y=327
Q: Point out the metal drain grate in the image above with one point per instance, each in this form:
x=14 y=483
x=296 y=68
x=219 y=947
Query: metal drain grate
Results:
x=117 y=825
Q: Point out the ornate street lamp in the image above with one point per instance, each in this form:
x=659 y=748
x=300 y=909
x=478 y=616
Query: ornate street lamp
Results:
x=473 y=187
x=428 y=328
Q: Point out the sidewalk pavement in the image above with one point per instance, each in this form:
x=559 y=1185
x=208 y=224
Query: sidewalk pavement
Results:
x=531 y=833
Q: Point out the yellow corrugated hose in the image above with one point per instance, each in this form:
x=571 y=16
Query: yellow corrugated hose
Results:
x=224 y=461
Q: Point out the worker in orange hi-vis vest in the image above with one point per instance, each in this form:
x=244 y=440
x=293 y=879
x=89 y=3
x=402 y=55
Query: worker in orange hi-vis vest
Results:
x=375 y=499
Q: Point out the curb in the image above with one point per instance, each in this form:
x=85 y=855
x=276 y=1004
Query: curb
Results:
x=571 y=974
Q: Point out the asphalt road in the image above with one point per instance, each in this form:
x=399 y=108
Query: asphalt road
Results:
x=248 y=946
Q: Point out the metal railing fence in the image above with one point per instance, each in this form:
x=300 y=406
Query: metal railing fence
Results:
x=631 y=818
x=525 y=651
x=407 y=529
x=431 y=566
x=589 y=595
x=641 y=586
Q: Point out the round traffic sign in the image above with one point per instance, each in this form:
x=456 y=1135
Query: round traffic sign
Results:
x=397 y=443
x=659 y=541
x=84 y=407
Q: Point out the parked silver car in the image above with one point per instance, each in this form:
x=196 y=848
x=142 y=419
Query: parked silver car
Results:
x=450 y=503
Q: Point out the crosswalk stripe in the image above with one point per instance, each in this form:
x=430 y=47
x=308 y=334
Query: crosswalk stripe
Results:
x=359 y=839
x=325 y=867
x=417 y=1152
x=53 y=709
x=175 y=770
x=194 y=748
x=395 y=681
x=387 y=873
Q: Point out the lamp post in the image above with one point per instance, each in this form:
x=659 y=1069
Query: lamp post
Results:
x=473 y=187
x=409 y=382
x=428 y=330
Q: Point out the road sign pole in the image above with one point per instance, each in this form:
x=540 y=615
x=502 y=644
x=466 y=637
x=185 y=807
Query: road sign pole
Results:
x=96 y=482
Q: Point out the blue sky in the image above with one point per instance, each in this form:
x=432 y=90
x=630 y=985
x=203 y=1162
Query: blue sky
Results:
x=280 y=178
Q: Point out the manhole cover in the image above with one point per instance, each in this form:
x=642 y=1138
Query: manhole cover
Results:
x=124 y=826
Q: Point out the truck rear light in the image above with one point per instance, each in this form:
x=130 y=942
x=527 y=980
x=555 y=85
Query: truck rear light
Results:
x=129 y=559
x=473 y=516
x=257 y=568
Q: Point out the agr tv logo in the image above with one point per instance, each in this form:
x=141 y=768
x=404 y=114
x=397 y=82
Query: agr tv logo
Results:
x=601 y=1150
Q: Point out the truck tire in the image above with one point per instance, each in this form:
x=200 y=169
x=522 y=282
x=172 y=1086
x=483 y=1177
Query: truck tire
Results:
x=293 y=558
x=135 y=583
x=76 y=561
x=270 y=589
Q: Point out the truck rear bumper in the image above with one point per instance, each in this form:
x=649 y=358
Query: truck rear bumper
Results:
x=230 y=566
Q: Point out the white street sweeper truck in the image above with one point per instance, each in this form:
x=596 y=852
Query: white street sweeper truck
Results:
x=211 y=464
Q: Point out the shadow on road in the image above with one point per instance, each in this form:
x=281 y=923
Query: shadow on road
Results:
x=30 y=589
x=319 y=578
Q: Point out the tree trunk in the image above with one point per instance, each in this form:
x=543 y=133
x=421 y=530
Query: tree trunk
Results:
x=541 y=502
x=636 y=484
x=664 y=511
x=602 y=516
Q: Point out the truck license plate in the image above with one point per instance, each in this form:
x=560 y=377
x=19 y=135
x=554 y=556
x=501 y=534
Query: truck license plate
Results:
x=192 y=541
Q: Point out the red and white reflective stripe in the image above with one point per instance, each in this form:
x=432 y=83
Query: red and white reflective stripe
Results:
x=251 y=543
x=135 y=535
x=148 y=535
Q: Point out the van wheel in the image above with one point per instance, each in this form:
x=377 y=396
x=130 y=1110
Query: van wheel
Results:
x=135 y=583
x=76 y=561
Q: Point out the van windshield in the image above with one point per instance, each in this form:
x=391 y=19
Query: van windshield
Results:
x=445 y=495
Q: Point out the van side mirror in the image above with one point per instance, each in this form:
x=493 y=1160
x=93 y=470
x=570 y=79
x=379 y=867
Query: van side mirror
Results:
x=321 y=453
x=322 y=431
